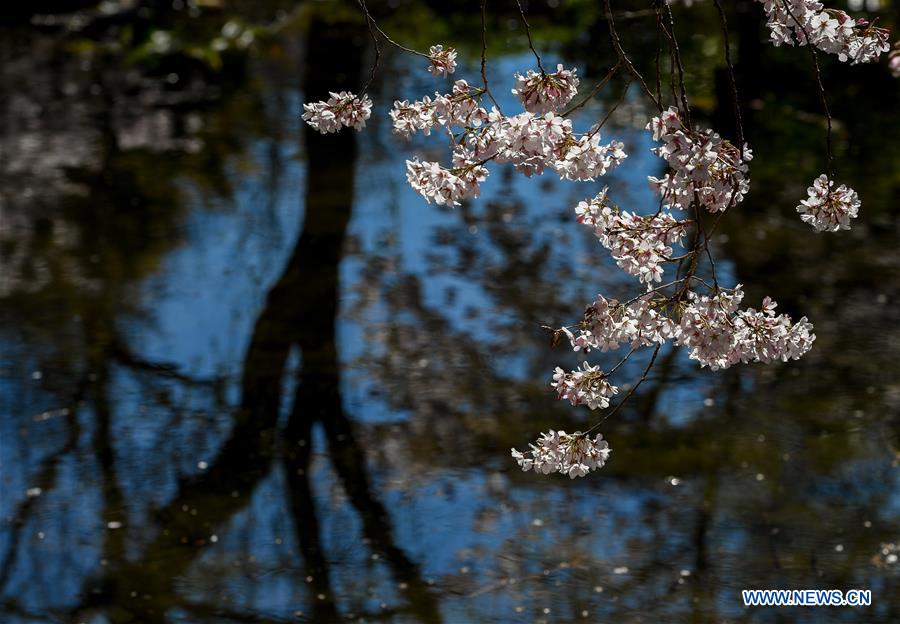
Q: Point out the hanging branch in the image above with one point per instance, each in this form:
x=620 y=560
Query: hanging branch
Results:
x=528 y=33
x=484 y=79
x=623 y=58
x=734 y=90
x=822 y=95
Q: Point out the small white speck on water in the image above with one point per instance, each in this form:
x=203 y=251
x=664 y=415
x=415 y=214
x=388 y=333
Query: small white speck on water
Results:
x=839 y=548
x=278 y=540
x=761 y=438
x=114 y=525
x=202 y=465
x=41 y=535
x=309 y=579
x=320 y=596
x=214 y=538
x=546 y=610
x=537 y=522
x=464 y=570
x=620 y=570
x=673 y=481
x=760 y=476
x=37 y=375
x=709 y=402
x=519 y=609
x=402 y=585
x=598 y=589
x=867 y=524
x=685 y=573
x=584 y=613
x=32 y=492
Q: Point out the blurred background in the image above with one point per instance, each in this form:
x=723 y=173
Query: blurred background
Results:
x=248 y=375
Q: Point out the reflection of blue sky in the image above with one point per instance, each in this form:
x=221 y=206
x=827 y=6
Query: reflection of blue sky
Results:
x=203 y=305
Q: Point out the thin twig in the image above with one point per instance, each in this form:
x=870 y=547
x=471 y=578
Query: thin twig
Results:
x=611 y=110
x=595 y=90
x=631 y=391
x=362 y=3
x=677 y=56
x=822 y=94
x=617 y=45
x=484 y=54
x=528 y=34
x=734 y=90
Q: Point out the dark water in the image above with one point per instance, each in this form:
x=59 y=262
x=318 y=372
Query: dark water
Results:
x=246 y=374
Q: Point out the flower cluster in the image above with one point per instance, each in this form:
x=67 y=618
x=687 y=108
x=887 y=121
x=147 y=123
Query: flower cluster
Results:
x=339 y=110
x=718 y=335
x=443 y=62
x=541 y=92
x=704 y=171
x=528 y=141
x=833 y=31
x=446 y=186
x=607 y=324
x=457 y=108
x=585 y=386
x=829 y=209
x=639 y=244
x=703 y=165
x=532 y=143
x=574 y=454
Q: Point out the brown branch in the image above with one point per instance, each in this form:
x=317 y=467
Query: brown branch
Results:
x=617 y=45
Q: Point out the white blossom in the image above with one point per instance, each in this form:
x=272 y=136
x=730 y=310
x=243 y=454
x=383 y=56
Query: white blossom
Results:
x=703 y=166
x=574 y=454
x=457 y=108
x=719 y=336
x=446 y=186
x=443 y=62
x=802 y=22
x=639 y=244
x=585 y=386
x=607 y=324
x=541 y=92
x=340 y=110
x=829 y=209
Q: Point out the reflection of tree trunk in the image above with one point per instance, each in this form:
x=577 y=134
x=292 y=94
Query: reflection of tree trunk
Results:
x=329 y=201
x=301 y=309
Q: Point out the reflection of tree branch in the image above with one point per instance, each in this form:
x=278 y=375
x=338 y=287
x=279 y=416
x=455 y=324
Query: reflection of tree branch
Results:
x=124 y=356
x=306 y=523
x=44 y=480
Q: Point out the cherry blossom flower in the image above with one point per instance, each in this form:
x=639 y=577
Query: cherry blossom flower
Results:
x=703 y=166
x=607 y=324
x=574 y=454
x=443 y=62
x=446 y=186
x=802 y=22
x=639 y=244
x=340 y=110
x=541 y=92
x=829 y=209
x=586 y=386
x=719 y=336
x=457 y=108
